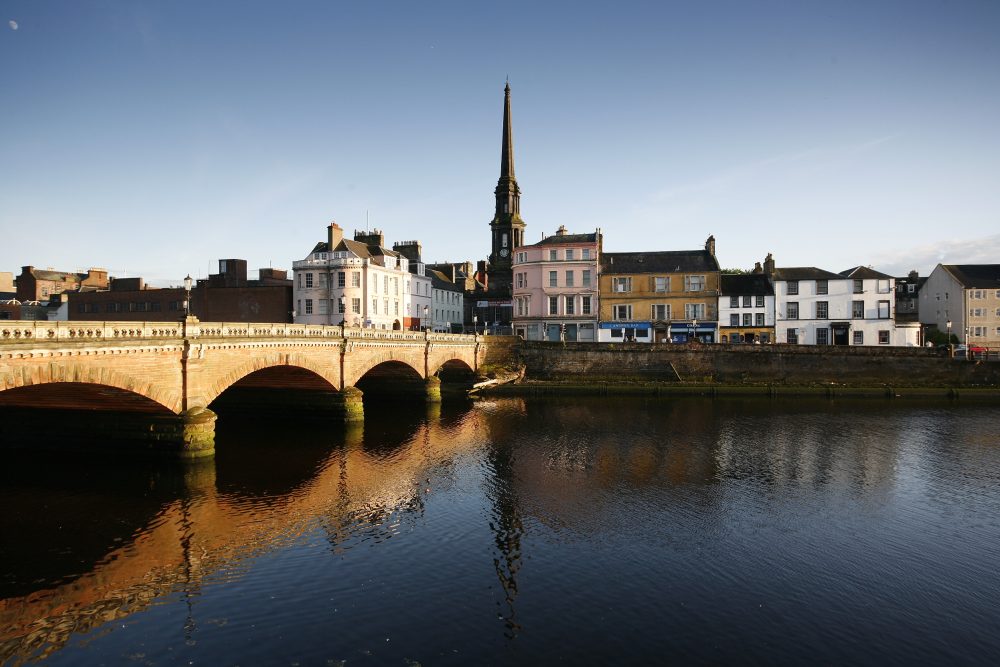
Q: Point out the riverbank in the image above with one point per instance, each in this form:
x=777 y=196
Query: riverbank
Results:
x=657 y=389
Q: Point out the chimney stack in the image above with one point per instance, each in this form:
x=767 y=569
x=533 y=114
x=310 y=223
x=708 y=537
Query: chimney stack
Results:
x=334 y=235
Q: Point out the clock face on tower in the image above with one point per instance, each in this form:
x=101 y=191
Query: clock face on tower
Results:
x=503 y=252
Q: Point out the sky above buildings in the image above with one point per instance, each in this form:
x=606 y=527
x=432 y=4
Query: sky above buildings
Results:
x=153 y=138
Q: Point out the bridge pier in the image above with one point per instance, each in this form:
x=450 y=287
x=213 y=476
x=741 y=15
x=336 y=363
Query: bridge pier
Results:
x=196 y=433
x=350 y=405
x=432 y=389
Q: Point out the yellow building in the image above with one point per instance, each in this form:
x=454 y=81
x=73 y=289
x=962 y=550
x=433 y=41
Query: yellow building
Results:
x=669 y=296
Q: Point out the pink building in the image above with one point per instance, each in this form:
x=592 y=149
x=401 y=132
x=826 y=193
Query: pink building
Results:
x=555 y=287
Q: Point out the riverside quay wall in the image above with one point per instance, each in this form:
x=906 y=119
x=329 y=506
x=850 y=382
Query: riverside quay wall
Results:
x=789 y=365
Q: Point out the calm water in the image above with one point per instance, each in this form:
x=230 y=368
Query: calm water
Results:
x=588 y=531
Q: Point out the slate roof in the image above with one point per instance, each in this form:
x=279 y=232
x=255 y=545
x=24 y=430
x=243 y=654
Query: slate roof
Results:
x=357 y=248
x=440 y=281
x=568 y=238
x=667 y=261
x=973 y=276
x=805 y=273
x=749 y=284
x=59 y=276
x=864 y=273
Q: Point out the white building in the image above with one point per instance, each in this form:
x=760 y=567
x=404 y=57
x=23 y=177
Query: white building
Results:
x=746 y=308
x=447 y=304
x=968 y=296
x=817 y=307
x=359 y=283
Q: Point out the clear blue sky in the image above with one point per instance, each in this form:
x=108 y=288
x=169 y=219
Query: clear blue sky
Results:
x=154 y=138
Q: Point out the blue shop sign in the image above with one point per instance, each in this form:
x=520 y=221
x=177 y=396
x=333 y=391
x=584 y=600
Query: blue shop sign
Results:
x=626 y=325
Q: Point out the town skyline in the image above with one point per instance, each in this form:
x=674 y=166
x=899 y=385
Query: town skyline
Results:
x=155 y=140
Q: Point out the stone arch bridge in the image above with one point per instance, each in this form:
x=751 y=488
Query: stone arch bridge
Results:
x=161 y=377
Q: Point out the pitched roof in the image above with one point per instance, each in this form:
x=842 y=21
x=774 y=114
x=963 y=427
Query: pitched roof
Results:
x=59 y=276
x=440 y=281
x=667 y=261
x=568 y=238
x=805 y=273
x=864 y=273
x=751 y=283
x=975 y=275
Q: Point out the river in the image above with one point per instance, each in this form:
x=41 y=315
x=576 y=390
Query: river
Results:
x=521 y=531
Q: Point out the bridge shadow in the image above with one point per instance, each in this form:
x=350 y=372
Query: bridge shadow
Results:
x=79 y=416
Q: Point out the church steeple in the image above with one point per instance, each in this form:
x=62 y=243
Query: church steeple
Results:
x=507 y=226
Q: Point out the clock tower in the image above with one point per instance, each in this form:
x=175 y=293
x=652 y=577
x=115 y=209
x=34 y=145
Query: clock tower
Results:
x=507 y=227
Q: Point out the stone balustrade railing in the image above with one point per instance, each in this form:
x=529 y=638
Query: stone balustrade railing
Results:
x=28 y=331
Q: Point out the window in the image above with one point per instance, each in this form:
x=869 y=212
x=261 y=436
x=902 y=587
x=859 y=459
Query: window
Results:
x=552 y=255
x=570 y=305
x=309 y=306
x=356 y=305
x=694 y=283
x=375 y=306
x=585 y=254
x=585 y=279
x=758 y=319
x=792 y=310
x=748 y=319
x=553 y=305
x=792 y=336
x=341 y=279
x=622 y=311
x=385 y=306
x=858 y=310
x=660 y=311
x=385 y=285
x=323 y=303
x=977 y=312
x=661 y=284
x=760 y=302
x=883 y=310
x=569 y=254
x=734 y=320
x=859 y=337
x=322 y=280
x=746 y=301
x=822 y=336
x=734 y=302
x=793 y=286
x=309 y=280
x=340 y=306
x=822 y=287
x=585 y=305
x=694 y=311
x=883 y=337
x=859 y=286
x=569 y=279
x=621 y=284
x=355 y=279
x=520 y=280
x=883 y=286
x=822 y=310
x=553 y=278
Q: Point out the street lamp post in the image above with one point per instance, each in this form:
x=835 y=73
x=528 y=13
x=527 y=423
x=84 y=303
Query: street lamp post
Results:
x=426 y=309
x=951 y=348
x=475 y=324
x=694 y=329
x=187 y=295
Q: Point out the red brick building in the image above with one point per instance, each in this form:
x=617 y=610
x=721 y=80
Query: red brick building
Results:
x=41 y=284
x=223 y=297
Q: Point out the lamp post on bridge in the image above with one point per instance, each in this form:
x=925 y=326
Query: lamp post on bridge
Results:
x=187 y=295
x=951 y=348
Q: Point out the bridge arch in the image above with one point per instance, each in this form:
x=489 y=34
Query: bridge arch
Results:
x=282 y=370
x=79 y=373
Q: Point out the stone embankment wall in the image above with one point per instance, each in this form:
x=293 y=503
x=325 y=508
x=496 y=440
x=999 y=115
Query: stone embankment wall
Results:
x=752 y=364
x=502 y=355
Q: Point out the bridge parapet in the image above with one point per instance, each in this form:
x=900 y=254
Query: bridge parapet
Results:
x=32 y=332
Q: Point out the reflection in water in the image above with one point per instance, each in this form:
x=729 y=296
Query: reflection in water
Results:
x=726 y=530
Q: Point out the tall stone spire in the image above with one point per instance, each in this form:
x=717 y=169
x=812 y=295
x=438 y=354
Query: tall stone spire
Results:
x=507 y=193
x=507 y=227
